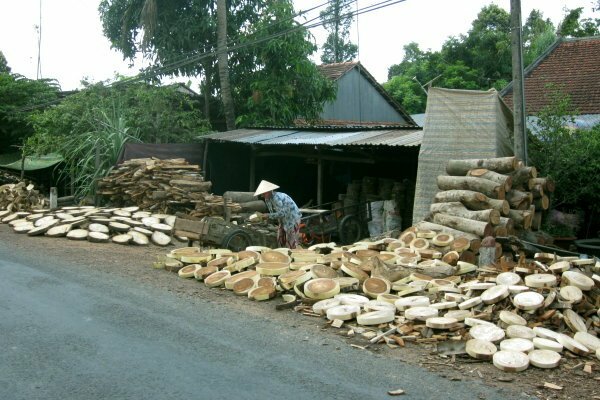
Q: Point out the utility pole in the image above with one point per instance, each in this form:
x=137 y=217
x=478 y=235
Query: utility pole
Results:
x=520 y=127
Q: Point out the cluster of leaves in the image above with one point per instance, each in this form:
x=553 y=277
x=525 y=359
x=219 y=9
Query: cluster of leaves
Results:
x=481 y=59
x=19 y=98
x=337 y=18
x=182 y=40
x=286 y=84
x=569 y=156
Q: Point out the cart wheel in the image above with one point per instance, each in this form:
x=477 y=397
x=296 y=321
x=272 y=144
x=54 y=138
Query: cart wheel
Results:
x=236 y=240
x=350 y=230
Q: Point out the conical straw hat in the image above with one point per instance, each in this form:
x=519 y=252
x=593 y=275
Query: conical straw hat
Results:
x=264 y=187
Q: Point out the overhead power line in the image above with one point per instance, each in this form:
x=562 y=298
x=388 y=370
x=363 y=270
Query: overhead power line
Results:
x=156 y=71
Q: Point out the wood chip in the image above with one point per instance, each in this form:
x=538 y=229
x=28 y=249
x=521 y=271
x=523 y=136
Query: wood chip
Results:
x=397 y=392
x=552 y=386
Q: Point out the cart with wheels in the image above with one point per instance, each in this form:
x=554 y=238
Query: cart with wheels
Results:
x=214 y=231
x=344 y=225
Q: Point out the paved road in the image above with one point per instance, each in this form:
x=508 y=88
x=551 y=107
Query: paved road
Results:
x=66 y=332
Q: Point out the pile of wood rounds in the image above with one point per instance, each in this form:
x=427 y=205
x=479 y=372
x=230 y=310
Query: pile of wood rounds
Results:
x=126 y=225
x=528 y=314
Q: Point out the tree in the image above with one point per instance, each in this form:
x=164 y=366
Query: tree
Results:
x=20 y=98
x=337 y=18
x=569 y=156
x=4 y=68
x=222 y=63
x=286 y=85
x=479 y=59
x=573 y=26
x=183 y=42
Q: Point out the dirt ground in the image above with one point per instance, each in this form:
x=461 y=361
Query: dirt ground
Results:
x=136 y=263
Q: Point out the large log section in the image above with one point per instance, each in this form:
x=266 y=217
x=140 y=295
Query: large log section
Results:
x=500 y=165
x=458 y=210
x=489 y=188
x=472 y=200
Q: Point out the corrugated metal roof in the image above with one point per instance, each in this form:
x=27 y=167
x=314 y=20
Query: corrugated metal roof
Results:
x=389 y=137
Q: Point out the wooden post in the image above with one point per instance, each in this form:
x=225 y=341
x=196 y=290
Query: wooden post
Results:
x=252 y=188
x=205 y=159
x=53 y=198
x=97 y=165
x=320 y=181
x=520 y=128
x=22 y=166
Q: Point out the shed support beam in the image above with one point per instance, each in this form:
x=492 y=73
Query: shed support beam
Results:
x=320 y=181
x=252 y=169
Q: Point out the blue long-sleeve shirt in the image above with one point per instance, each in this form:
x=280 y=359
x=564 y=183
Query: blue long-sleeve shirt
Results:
x=282 y=207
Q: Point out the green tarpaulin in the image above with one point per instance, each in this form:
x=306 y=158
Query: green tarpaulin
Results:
x=13 y=161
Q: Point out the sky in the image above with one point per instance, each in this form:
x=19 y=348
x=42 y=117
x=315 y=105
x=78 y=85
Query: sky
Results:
x=73 y=47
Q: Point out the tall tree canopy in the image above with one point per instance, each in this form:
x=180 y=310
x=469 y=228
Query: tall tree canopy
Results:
x=20 y=98
x=182 y=41
x=479 y=59
x=337 y=18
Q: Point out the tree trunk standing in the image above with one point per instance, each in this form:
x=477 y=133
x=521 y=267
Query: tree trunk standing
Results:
x=520 y=128
x=207 y=89
x=222 y=63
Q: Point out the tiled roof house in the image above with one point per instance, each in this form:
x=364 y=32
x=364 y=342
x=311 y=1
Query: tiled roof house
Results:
x=573 y=67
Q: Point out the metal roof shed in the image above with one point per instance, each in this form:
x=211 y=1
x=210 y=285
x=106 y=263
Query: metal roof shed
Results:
x=248 y=150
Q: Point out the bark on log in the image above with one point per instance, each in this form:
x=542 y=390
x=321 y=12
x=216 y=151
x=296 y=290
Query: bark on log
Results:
x=252 y=206
x=542 y=203
x=505 y=180
x=519 y=200
x=501 y=165
x=469 y=256
x=472 y=200
x=547 y=183
x=458 y=210
x=521 y=218
x=508 y=224
x=536 y=221
x=473 y=239
x=478 y=228
x=489 y=188
x=521 y=176
x=240 y=197
x=537 y=191
x=499 y=230
x=393 y=272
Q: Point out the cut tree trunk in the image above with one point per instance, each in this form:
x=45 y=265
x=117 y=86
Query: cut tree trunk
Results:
x=542 y=203
x=521 y=218
x=489 y=188
x=478 y=228
x=501 y=165
x=519 y=200
x=521 y=176
x=458 y=210
x=472 y=200
x=537 y=191
x=536 y=222
x=505 y=180
x=508 y=224
x=547 y=184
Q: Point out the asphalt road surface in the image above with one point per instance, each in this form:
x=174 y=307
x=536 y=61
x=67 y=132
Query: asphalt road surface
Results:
x=69 y=332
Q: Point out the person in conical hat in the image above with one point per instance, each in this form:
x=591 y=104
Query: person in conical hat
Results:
x=284 y=209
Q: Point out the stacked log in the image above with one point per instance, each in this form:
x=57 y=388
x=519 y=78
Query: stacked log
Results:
x=491 y=197
x=166 y=186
